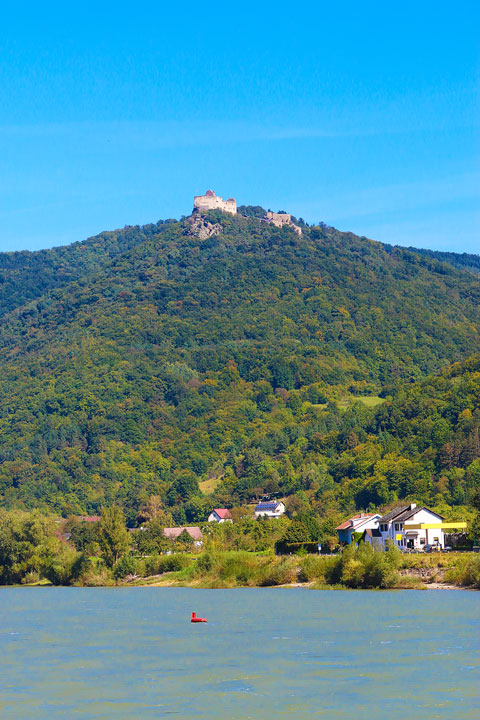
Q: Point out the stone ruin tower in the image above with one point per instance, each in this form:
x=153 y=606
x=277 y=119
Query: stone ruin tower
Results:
x=210 y=201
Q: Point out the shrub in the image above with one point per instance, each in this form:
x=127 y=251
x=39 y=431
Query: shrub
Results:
x=63 y=566
x=125 y=566
x=159 y=564
x=281 y=572
x=312 y=568
x=364 y=567
x=466 y=572
x=96 y=575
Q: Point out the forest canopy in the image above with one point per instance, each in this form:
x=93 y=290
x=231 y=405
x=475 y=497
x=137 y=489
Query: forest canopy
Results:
x=208 y=372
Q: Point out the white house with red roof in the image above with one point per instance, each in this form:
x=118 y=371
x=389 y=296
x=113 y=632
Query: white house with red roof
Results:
x=220 y=515
x=357 y=523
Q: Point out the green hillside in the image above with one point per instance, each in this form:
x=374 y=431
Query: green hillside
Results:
x=160 y=363
x=463 y=261
x=26 y=275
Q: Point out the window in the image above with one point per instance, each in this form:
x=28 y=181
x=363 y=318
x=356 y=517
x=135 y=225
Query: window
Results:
x=422 y=541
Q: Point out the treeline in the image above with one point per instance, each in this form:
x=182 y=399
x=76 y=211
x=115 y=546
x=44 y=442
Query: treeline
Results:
x=35 y=549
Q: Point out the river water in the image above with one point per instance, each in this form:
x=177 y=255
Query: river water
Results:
x=264 y=653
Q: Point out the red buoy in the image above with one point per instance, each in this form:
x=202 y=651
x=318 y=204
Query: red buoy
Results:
x=197 y=619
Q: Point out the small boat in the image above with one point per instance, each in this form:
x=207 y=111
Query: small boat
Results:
x=196 y=619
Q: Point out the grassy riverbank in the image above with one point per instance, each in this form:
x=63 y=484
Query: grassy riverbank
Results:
x=353 y=569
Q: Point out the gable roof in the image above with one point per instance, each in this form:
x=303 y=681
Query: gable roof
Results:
x=394 y=513
x=356 y=520
x=174 y=532
x=267 y=506
x=404 y=512
x=223 y=513
x=410 y=513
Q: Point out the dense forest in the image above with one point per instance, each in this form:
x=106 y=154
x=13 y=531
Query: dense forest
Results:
x=325 y=368
x=465 y=261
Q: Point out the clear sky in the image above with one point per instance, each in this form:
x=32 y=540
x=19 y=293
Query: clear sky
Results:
x=361 y=115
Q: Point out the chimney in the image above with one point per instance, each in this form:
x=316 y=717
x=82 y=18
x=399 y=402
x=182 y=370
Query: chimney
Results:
x=413 y=506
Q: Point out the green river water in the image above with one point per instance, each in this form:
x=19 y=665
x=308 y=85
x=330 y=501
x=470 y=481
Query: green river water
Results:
x=264 y=653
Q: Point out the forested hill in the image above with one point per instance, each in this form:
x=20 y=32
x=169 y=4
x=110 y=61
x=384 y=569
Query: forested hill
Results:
x=166 y=362
x=463 y=261
x=26 y=275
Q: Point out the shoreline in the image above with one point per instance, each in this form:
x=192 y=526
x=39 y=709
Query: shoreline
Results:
x=289 y=586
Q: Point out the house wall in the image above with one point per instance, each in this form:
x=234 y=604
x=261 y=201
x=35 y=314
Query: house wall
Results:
x=359 y=525
x=416 y=539
x=213 y=517
x=425 y=537
x=376 y=543
x=344 y=535
x=270 y=513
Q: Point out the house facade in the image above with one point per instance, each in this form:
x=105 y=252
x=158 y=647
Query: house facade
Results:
x=270 y=509
x=220 y=515
x=407 y=526
x=412 y=528
x=357 y=523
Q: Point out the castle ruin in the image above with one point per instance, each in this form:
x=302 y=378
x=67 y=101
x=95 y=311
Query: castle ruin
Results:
x=210 y=201
x=282 y=219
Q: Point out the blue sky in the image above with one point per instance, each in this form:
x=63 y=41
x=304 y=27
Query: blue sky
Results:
x=361 y=115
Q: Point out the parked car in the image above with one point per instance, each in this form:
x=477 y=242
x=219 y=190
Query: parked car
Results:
x=432 y=548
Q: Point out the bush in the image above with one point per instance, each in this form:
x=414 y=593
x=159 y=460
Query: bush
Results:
x=466 y=572
x=281 y=572
x=159 y=564
x=125 y=566
x=364 y=567
x=312 y=569
x=96 y=575
x=63 y=565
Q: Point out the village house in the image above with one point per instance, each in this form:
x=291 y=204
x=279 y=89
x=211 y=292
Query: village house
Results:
x=373 y=537
x=173 y=533
x=407 y=526
x=269 y=509
x=356 y=524
x=210 y=201
x=412 y=528
x=220 y=515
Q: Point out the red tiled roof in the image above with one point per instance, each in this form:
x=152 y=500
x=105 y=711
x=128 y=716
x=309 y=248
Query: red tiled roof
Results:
x=174 y=532
x=223 y=513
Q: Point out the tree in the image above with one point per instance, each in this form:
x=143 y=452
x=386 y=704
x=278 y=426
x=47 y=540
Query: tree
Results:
x=114 y=538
